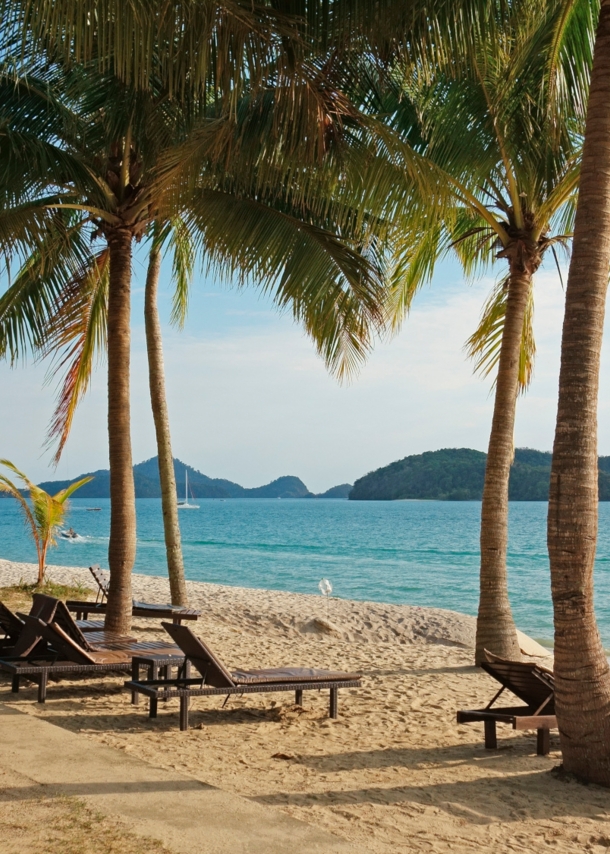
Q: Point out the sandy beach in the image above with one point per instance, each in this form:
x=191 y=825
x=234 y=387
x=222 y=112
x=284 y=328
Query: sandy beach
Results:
x=393 y=773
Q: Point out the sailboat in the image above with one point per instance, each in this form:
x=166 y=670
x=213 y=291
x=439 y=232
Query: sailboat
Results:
x=184 y=505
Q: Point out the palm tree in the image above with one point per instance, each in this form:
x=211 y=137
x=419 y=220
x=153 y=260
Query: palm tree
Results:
x=582 y=674
x=46 y=514
x=503 y=137
x=130 y=152
x=158 y=400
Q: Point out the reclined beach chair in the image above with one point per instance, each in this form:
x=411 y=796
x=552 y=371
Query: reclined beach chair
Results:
x=13 y=626
x=529 y=682
x=52 y=649
x=147 y=610
x=217 y=679
x=52 y=610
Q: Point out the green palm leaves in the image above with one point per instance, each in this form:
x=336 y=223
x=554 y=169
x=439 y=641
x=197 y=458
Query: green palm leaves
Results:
x=44 y=514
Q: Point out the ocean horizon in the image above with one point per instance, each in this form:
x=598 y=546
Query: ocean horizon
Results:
x=402 y=552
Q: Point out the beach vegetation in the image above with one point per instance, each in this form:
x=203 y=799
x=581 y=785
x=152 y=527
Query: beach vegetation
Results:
x=43 y=514
x=19 y=596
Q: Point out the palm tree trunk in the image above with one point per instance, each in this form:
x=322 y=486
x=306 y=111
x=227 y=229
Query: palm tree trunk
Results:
x=122 y=546
x=156 y=374
x=42 y=561
x=495 y=625
x=581 y=668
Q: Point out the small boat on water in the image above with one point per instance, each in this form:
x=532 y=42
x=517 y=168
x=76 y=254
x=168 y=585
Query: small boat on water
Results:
x=70 y=534
x=184 y=505
x=92 y=509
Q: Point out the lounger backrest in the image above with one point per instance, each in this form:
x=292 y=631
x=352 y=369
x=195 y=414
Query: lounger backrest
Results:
x=53 y=610
x=62 y=643
x=528 y=681
x=29 y=638
x=211 y=668
x=100 y=579
x=10 y=624
x=43 y=607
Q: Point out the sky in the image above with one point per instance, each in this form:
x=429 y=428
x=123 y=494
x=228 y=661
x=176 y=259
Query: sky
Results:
x=251 y=401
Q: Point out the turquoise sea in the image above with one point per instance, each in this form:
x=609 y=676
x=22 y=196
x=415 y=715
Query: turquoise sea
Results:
x=413 y=552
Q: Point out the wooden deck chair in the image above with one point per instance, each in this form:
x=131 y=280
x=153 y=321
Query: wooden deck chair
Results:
x=215 y=678
x=531 y=683
x=54 y=610
x=150 y=610
x=52 y=651
x=102 y=579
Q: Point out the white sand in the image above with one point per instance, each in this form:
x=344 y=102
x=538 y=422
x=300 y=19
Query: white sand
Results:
x=394 y=772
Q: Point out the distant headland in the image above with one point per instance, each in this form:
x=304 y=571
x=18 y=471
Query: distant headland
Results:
x=457 y=474
x=147 y=485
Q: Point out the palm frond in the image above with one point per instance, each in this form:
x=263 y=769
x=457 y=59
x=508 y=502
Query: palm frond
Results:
x=483 y=346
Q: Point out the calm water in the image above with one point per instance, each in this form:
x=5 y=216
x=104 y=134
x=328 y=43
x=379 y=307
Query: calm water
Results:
x=415 y=552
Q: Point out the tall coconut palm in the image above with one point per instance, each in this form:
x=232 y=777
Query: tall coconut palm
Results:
x=131 y=161
x=503 y=136
x=165 y=457
x=582 y=677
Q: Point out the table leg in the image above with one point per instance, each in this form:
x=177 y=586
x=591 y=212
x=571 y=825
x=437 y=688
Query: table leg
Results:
x=298 y=697
x=15 y=684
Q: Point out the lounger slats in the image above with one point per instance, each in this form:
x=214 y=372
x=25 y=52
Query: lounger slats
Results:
x=278 y=675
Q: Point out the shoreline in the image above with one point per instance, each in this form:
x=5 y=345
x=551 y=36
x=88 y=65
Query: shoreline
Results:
x=294 y=613
x=352 y=620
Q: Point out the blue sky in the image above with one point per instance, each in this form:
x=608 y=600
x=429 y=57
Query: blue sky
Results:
x=251 y=401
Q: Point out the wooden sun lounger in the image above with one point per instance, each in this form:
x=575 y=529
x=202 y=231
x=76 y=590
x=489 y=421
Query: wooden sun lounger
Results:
x=215 y=679
x=146 y=610
x=529 y=682
x=149 y=610
x=45 y=650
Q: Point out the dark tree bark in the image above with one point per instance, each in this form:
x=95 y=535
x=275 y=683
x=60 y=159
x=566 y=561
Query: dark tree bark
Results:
x=581 y=668
x=122 y=545
x=495 y=625
x=156 y=374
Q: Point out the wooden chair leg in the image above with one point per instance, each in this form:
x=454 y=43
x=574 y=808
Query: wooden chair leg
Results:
x=298 y=697
x=135 y=677
x=491 y=739
x=15 y=684
x=543 y=742
x=42 y=686
x=152 y=708
x=334 y=694
x=184 y=713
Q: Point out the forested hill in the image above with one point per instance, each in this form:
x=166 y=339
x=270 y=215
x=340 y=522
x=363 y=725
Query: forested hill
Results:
x=457 y=474
x=146 y=477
